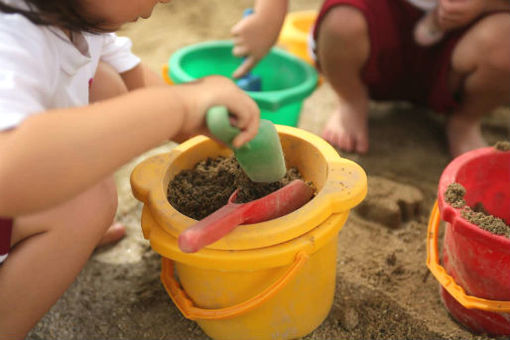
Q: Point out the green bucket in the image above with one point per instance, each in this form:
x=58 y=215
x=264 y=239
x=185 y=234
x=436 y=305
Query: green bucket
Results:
x=286 y=79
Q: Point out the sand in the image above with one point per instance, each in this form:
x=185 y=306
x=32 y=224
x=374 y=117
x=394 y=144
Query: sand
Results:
x=384 y=290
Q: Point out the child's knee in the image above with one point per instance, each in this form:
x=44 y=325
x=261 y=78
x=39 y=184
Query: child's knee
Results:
x=86 y=216
x=485 y=46
x=494 y=35
x=107 y=83
x=344 y=23
x=93 y=212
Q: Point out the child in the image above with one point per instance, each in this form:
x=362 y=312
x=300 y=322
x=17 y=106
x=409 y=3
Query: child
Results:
x=366 y=49
x=58 y=152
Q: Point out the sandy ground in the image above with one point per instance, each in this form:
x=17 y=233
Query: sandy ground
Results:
x=383 y=291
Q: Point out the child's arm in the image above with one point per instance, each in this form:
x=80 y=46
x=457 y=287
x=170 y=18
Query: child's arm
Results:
x=255 y=34
x=53 y=156
x=453 y=14
x=141 y=76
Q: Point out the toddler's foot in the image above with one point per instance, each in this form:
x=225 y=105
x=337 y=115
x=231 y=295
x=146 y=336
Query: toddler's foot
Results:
x=426 y=32
x=464 y=135
x=112 y=235
x=347 y=129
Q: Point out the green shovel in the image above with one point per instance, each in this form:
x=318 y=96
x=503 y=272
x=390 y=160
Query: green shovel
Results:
x=262 y=157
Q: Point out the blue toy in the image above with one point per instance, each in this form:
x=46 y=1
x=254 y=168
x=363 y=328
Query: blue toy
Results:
x=250 y=82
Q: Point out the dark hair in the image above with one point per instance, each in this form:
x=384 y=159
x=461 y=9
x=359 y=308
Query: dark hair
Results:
x=62 y=13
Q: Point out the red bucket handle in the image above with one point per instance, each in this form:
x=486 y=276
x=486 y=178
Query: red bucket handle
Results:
x=447 y=281
x=192 y=312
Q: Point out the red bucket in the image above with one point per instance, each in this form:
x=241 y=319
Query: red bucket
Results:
x=475 y=278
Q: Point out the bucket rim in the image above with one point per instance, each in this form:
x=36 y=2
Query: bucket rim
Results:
x=290 y=32
x=453 y=215
x=345 y=186
x=267 y=100
x=277 y=255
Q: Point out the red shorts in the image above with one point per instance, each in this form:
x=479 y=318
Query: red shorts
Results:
x=5 y=237
x=398 y=68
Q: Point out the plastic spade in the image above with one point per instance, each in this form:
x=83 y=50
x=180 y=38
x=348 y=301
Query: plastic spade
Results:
x=222 y=221
x=262 y=157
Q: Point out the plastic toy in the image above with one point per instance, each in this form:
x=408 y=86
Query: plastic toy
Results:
x=284 y=269
x=475 y=275
x=262 y=157
x=224 y=220
x=287 y=80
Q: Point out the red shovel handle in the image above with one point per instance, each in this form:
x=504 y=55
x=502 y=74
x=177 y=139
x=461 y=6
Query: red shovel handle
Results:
x=212 y=228
x=221 y=222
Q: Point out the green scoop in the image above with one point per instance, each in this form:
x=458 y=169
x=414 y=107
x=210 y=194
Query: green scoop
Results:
x=262 y=157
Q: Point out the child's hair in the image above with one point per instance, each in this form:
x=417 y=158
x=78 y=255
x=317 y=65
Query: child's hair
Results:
x=63 y=13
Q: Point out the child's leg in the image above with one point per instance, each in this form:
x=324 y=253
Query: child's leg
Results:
x=481 y=73
x=49 y=250
x=343 y=48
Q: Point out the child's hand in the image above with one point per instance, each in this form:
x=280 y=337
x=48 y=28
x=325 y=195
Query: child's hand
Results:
x=453 y=14
x=255 y=34
x=253 y=38
x=427 y=31
x=201 y=95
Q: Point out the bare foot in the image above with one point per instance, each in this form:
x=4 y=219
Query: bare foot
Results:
x=427 y=32
x=112 y=235
x=464 y=135
x=347 y=128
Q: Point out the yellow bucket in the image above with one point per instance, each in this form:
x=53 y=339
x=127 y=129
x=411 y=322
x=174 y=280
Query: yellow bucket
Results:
x=270 y=280
x=296 y=31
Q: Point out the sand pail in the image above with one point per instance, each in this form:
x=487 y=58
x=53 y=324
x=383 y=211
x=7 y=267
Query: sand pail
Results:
x=286 y=79
x=296 y=32
x=270 y=280
x=475 y=276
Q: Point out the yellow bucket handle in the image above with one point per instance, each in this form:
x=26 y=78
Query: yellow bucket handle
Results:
x=164 y=73
x=447 y=281
x=187 y=308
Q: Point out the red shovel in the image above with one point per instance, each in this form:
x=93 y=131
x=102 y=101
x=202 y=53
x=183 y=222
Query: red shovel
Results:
x=222 y=221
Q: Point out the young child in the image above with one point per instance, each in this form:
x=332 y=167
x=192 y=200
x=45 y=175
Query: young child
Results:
x=75 y=104
x=366 y=49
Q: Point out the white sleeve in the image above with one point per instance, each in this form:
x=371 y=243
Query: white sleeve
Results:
x=24 y=80
x=117 y=53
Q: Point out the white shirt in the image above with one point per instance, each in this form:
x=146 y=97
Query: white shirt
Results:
x=41 y=69
x=426 y=5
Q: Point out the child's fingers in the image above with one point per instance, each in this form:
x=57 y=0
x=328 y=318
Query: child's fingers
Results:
x=245 y=67
x=446 y=20
x=240 y=50
x=237 y=41
x=237 y=28
x=247 y=134
x=453 y=9
x=247 y=114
